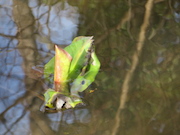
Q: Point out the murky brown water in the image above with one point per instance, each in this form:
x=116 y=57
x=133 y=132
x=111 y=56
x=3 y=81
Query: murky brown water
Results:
x=150 y=74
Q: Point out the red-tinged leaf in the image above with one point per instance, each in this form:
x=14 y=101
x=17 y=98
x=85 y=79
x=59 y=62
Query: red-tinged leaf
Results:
x=62 y=64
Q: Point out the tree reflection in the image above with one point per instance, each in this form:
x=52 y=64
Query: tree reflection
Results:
x=28 y=31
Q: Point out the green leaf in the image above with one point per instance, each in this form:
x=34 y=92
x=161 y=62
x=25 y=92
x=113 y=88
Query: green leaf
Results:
x=83 y=81
x=49 y=71
x=78 y=64
x=50 y=96
x=78 y=50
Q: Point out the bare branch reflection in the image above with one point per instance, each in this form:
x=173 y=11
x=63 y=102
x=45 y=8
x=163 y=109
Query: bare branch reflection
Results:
x=135 y=61
x=145 y=59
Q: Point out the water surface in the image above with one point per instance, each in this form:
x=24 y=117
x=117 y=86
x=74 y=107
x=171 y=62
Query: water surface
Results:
x=28 y=32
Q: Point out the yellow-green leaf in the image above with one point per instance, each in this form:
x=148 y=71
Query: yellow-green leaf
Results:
x=61 y=70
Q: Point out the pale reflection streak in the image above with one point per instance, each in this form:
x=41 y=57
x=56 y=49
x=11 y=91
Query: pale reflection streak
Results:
x=135 y=61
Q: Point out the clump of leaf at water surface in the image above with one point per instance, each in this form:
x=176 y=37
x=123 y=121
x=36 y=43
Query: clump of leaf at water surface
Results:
x=74 y=68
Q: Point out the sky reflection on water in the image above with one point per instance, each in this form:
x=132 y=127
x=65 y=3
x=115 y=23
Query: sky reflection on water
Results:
x=28 y=32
